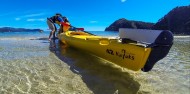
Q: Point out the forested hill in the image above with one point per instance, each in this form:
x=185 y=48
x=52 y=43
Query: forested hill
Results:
x=177 y=21
x=124 y=23
x=11 y=29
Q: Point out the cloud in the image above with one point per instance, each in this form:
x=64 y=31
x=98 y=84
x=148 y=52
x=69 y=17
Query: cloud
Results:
x=31 y=17
x=93 y=21
x=123 y=1
x=17 y=19
x=34 y=15
x=33 y=20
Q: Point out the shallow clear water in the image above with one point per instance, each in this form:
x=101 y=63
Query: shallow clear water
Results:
x=29 y=63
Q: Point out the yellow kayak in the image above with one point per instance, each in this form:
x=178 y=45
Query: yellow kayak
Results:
x=130 y=55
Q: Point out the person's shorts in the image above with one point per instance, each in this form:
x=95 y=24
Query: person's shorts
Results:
x=51 y=25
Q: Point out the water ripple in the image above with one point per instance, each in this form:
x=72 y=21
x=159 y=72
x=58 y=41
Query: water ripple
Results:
x=29 y=67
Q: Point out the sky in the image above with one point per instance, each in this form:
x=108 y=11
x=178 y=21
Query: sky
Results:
x=92 y=15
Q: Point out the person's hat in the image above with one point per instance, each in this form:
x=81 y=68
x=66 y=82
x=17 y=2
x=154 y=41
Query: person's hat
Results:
x=58 y=14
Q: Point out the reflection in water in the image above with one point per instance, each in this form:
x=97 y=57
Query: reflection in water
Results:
x=103 y=77
x=99 y=75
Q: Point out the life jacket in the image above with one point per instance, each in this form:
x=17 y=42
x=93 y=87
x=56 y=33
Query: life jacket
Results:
x=66 y=26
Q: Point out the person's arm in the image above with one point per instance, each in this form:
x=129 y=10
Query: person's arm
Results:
x=60 y=19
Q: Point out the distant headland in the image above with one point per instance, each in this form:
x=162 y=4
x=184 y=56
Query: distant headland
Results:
x=177 y=21
x=11 y=29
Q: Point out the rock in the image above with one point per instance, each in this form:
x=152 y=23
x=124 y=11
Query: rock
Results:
x=123 y=23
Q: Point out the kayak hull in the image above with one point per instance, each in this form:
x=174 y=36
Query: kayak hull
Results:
x=128 y=55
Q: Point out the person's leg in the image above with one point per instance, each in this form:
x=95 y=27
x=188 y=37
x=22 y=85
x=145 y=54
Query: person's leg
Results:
x=54 y=34
x=51 y=33
x=55 y=29
x=60 y=30
x=51 y=27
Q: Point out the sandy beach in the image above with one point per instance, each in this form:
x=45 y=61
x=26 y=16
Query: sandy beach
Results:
x=27 y=66
x=33 y=65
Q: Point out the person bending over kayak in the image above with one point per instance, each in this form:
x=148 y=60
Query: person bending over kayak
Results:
x=64 y=25
x=51 y=23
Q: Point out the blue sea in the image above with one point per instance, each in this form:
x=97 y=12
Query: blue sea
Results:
x=30 y=64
